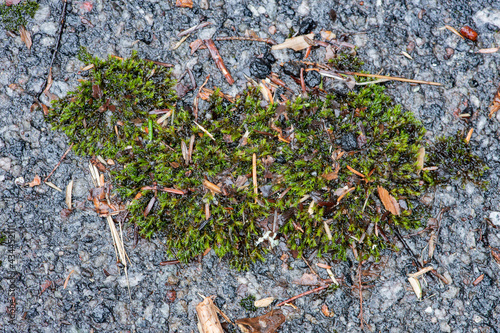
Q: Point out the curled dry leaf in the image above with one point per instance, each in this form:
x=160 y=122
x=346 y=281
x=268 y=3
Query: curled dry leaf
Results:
x=36 y=181
x=416 y=286
x=296 y=43
x=388 y=201
x=268 y=323
x=262 y=303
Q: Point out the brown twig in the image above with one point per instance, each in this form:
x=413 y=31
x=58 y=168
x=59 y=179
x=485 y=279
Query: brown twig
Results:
x=159 y=63
x=57 y=165
x=315 y=290
x=302 y=82
x=169 y=262
x=56 y=48
x=193 y=29
x=252 y=39
x=218 y=60
x=360 y=316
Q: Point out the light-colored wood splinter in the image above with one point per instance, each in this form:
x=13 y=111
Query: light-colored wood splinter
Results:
x=204 y=130
x=254 y=173
x=208 y=322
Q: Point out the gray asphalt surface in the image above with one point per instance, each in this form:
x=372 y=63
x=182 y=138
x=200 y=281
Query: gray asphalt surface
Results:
x=47 y=247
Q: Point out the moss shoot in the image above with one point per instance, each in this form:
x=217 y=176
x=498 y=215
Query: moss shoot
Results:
x=319 y=164
x=14 y=16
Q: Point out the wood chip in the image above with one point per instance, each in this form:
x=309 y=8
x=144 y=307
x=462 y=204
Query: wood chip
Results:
x=208 y=321
x=421 y=272
x=326 y=311
x=295 y=43
x=478 y=280
x=388 y=201
x=416 y=287
x=211 y=186
x=69 y=189
x=262 y=303
x=469 y=135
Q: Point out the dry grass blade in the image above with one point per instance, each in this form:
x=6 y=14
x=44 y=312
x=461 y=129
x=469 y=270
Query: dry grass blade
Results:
x=388 y=201
x=211 y=186
x=295 y=43
x=67 y=279
x=489 y=50
x=184 y=151
x=204 y=130
x=420 y=159
x=421 y=272
x=53 y=186
x=393 y=78
x=254 y=173
x=179 y=43
x=455 y=31
x=25 y=37
x=69 y=189
x=191 y=147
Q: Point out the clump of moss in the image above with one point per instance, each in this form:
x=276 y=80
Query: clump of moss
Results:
x=14 y=16
x=456 y=160
x=346 y=61
x=110 y=109
x=319 y=165
x=248 y=303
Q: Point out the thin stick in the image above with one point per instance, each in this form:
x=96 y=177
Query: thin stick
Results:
x=315 y=290
x=251 y=39
x=218 y=60
x=193 y=29
x=393 y=78
x=254 y=173
x=58 y=43
x=58 y=164
x=360 y=316
x=204 y=130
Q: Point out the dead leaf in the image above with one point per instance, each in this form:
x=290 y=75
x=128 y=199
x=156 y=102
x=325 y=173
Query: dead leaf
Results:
x=388 y=201
x=184 y=3
x=307 y=279
x=12 y=2
x=268 y=323
x=36 y=181
x=262 y=303
x=197 y=45
x=208 y=321
x=25 y=37
x=296 y=43
x=45 y=286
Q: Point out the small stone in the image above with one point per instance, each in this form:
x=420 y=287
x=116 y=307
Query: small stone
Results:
x=260 y=68
x=306 y=26
x=349 y=142
x=100 y=314
x=494 y=216
x=272 y=30
x=292 y=68
x=50 y=28
x=144 y=36
x=312 y=79
x=5 y=163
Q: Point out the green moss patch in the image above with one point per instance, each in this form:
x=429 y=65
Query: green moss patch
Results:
x=320 y=164
x=14 y=16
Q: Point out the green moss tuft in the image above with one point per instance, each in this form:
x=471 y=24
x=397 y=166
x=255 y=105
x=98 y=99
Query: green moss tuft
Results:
x=307 y=152
x=456 y=160
x=248 y=303
x=14 y=16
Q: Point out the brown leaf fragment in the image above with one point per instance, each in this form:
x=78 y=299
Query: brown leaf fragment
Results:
x=96 y=91
x=268 y=323
x=388 y=201
x=184 y=3
x=150 y=206
x=495 y=103
x=296 y=43
x=47 y=284
x=197 y=45
x=36 y=181
x=495 y=253
x=326 y=311
x=25 y=37
x=307 y=280
x=45 y=109
x=65 y=213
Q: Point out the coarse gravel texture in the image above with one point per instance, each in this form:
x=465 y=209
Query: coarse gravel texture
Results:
x=48 y=247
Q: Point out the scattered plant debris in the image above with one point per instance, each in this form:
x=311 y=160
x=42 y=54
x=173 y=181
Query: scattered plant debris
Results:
x=268 y=323
x=15 y=14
